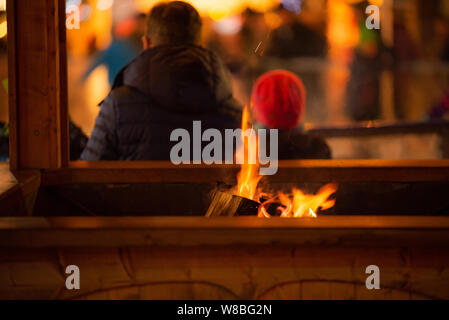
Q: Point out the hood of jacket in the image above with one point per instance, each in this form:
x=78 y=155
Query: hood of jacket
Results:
x=181 y=78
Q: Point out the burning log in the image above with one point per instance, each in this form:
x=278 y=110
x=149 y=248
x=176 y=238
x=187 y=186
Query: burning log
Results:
x=228 y=205
x=243 y=201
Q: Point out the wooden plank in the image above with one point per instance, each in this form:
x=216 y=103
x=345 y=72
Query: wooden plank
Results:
x=322 y=222
x=17 y=281
x=225 y=272
x=38 y=79
x=392 y=294
x=341 y=291
x=441 y=164
x=127 y=293
x=362 y=293
x=218 y=237
x=290 y=291
x=322 y=171
x=94 y=273
x=315 y=290
x=188 y=232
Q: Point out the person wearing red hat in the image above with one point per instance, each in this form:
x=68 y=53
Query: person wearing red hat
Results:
x=278 y=101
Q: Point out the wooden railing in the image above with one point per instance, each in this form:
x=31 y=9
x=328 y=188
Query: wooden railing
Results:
x=289 y=171
x=389 y=231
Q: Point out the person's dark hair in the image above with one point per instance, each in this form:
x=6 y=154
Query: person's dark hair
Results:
x=173 y=23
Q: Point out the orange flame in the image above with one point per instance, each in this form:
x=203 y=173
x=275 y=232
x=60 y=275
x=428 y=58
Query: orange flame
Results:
x=302 y=205
x=248 y=177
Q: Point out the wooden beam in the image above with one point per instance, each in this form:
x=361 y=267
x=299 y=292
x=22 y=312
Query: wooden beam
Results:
x=322 y=222
x=321 y=171
x=197 y=231
x=38 y=84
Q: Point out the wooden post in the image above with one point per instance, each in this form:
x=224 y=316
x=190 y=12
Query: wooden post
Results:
x=38 y=84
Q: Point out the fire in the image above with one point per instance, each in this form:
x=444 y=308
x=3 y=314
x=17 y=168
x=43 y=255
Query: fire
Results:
x=296 y=205
x=311 y=213
x=248 y=177
x=301 y=205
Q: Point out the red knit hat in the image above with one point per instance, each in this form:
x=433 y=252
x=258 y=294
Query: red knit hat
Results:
x=279 y=99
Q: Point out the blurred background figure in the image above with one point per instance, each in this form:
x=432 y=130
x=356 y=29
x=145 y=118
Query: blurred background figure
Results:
x=298 y=42
x=293 y=38
x=363 y=90
x=126 y=44
x=440 y=109
x=279 y=102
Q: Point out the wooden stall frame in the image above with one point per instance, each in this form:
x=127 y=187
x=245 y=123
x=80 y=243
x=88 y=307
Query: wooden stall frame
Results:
x=39 y=121
x=39 y=157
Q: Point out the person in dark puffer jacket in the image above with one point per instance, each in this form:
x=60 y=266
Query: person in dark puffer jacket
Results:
x=172 y=83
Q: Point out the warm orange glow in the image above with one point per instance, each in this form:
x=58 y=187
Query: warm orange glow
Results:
x=273 y=20
x=3 y=29
x=97 y=28
x=248 y=177
x=342 y=29
x=378 y=3
x=104 y=4
x=218 y=9
x=301 y=205
x=219 y=13
x=97 y=87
